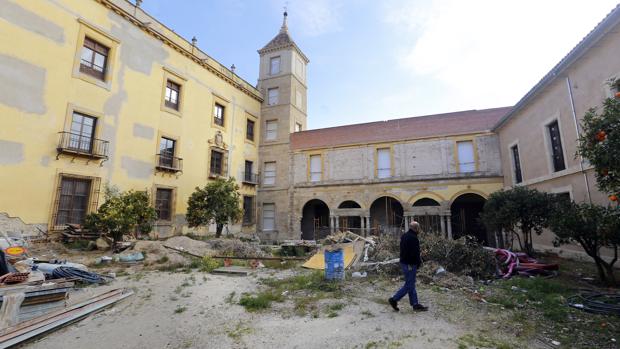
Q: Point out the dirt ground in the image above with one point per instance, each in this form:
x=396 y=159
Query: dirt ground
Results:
x=197 y=310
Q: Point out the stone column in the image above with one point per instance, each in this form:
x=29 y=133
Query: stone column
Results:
x=331 y=224
x=449 y=226
x=442 y=220
x=368 y=226
x=337 y=219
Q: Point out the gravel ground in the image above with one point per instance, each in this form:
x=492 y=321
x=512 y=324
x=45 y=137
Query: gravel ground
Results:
x=196 y=310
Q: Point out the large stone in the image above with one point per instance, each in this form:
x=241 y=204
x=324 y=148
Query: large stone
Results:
x=102 y=244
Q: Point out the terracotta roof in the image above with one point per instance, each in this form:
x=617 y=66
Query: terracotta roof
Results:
x=455 y=123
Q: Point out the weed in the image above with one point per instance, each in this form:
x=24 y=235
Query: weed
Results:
x=371 y=345
x=231 y=297
x=336 y=307
x=180 y=309
x=368 y=313
x=239 y=331
x=332 y=314
x=259 y=301
x=174 y=298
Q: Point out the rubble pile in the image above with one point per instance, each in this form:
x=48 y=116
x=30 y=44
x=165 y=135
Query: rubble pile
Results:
x=237 y=248
x=455 y=256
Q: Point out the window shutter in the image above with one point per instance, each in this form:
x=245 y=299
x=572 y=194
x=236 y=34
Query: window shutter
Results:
x=315 y=168
x=466 y=156
x=384 y=168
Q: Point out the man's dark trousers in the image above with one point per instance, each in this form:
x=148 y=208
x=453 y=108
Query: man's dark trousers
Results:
x=409 y=286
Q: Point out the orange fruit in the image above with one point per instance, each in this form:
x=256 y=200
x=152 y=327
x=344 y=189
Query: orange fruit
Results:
x=613 y=198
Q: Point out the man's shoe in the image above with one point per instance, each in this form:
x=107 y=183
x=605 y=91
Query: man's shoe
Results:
x=419 y=307
x=394 y=304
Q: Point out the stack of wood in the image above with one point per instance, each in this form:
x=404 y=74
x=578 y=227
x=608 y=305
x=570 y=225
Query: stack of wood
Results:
x=75 y=232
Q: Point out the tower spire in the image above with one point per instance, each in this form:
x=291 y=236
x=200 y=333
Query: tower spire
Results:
x=284 y=28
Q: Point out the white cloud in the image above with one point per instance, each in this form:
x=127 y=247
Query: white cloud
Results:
x=488 y=52
x=315 y=17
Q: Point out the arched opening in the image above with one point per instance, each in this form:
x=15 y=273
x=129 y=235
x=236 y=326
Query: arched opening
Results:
x=427 y=213
x=465 y=211
x=349 y=204
x=386 y=215
x=424 y=202
x=315 y=220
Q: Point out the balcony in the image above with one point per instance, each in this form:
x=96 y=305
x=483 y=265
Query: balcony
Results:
x=82 y=145
x=249 y=178
x=169 y=163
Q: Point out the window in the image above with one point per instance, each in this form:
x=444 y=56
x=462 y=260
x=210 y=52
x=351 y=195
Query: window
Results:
x=269 y=175
x=249 y=130
x=93 y=58
x=271 y=131
x=163 y=204
x=299 y=68
x=73 y=200
x=557 y=154
x=82 y=133
x=247 y=175
x=274 y=65
x=272 y=96
x=217 y=162
x=248 y=209
x=517 y=164
x=315 y=168
x=297 y=127
x=384 y=163
x=218 y=114
x=171 y=100
x=269 y=217
x=465 y=151
x=298 y=99
x=166 y=152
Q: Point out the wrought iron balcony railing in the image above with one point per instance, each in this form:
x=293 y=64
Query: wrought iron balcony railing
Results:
x=169 y=163
x=83 y=145
x=249 y=178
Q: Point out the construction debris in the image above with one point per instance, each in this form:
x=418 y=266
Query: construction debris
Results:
x=75 y=232
x=26 y=330
x=237 y=248
x=511 y=263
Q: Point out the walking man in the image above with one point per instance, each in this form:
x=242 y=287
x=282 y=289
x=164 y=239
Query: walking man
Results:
x=410 y=261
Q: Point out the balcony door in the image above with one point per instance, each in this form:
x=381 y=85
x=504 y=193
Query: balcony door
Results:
x=82 y=133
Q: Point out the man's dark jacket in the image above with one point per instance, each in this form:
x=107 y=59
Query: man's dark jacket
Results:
x=410 y=248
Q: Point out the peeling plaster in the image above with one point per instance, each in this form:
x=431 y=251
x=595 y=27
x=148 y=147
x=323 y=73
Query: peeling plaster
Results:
x=30 y=21
x=45 y=160
x=11 y=153
x=139 y=50
x=143 y=131
x=137 y=168
x=22 y=85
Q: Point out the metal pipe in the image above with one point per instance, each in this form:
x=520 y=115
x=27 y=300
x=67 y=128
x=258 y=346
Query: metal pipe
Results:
x=572 y=105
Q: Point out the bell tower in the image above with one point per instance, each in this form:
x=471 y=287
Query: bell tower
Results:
x=282 y=81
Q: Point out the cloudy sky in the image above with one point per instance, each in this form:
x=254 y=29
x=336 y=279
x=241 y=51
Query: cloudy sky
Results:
x=376 y=60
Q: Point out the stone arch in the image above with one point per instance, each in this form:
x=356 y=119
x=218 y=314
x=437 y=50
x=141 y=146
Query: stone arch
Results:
x=315 y=216
x=425 y=194
x=468 y=191
x=349 y=204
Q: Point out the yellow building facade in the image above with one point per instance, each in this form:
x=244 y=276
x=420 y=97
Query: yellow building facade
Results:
x=97 y=92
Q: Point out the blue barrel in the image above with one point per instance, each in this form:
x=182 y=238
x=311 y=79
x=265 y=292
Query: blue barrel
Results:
x=334 y=264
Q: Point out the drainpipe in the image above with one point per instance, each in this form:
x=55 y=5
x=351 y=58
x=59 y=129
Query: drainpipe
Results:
x=572 y=105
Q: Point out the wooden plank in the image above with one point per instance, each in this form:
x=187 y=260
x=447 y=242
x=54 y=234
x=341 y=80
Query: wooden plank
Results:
x=264 y=258
x=61 y=321
x=232 y=270
x=33 y=322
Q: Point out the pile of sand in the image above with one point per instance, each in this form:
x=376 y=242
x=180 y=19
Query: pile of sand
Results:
x=184 y=243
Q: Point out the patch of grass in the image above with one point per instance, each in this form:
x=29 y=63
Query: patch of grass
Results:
x=371 y=345
x=336 y=307
x=259 y=301
x=77 y=245
x=171 y=268
x=332 y=314
x=180 y=309
x=239 y=331
x=280 y=265
x=162 y=260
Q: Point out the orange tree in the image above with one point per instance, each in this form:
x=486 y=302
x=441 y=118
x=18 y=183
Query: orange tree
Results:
x=600 y=144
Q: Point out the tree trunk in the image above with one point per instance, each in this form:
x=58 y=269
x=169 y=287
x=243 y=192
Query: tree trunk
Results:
x=218 y=230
